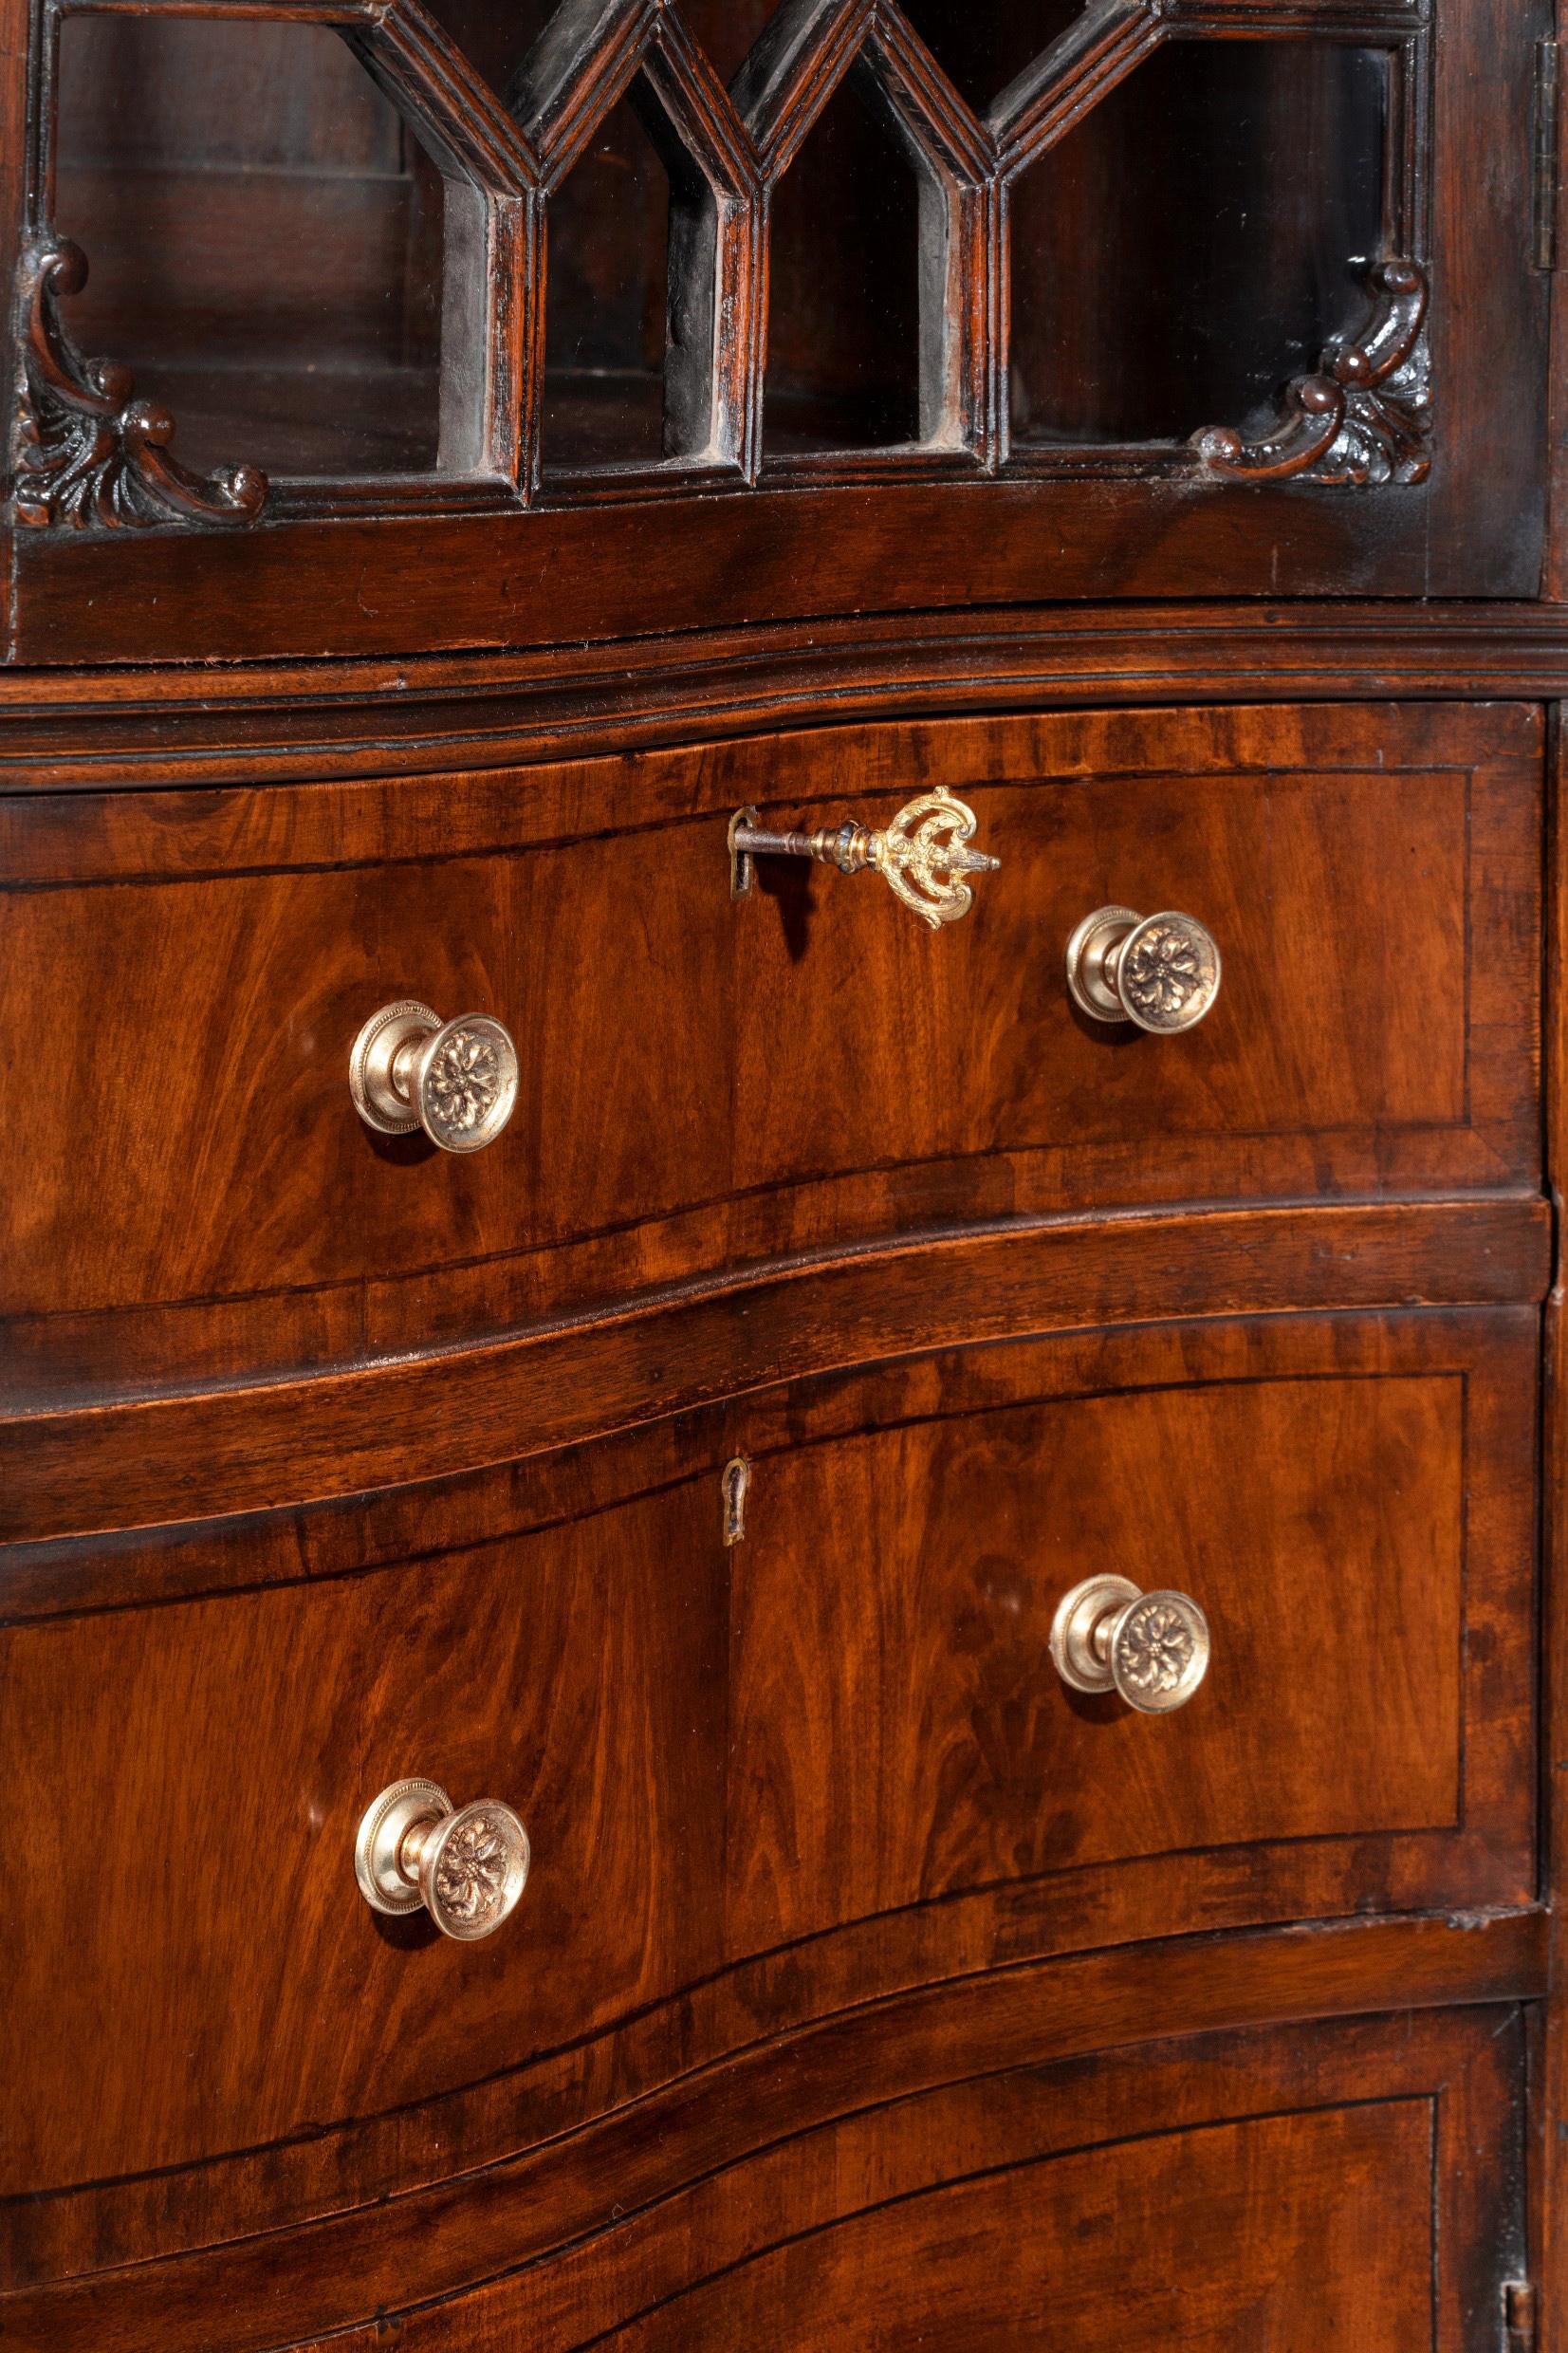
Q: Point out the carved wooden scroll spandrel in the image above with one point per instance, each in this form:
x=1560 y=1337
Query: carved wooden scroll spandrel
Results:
x=1365 y=418
x=87 y=452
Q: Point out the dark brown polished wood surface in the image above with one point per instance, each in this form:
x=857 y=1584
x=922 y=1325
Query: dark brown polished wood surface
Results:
x=1084 y=2205
x=252 y=1446
x=706 y=534
x=707 y=1087
x=404 y=2252
x=949 y=1543
x=672 y=405
x=205 y=724
x=1362 y=1743
x=1074 y=2208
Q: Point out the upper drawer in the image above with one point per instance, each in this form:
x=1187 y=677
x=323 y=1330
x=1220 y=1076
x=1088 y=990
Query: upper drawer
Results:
x=706 y=1083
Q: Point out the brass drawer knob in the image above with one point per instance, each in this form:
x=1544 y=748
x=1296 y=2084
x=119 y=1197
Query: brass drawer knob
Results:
x=1151 y=1648
x=1159 y=971
x=457 y=1080
x=923 y=856
x=467 y=1865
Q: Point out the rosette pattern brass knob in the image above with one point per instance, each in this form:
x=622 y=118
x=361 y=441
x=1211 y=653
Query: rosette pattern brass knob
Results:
x=1150 y=1648
x=457 y=1080
x=1159 y=971
x=465 y=1865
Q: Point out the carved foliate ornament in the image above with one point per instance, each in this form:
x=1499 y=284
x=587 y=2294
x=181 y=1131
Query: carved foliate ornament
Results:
x=87 y=452
x=924 y=857
x=1168 y=968
x=1151 y=1648
x=473 y=1875
x=464 y=1081
x=1364 y=419
x=467 y=1867
x=1155 y=1647
x=1159 y=971
x=456 y=1079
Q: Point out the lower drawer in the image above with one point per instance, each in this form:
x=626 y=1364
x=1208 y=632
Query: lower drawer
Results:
x=1349 y=1507
x=767 y=1780
x=1349 y=2186
x=1337 y=2181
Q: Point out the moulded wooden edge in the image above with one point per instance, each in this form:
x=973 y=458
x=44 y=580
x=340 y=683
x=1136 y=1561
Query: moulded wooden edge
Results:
x=83 y=837
x=345 y=1534
x=190 y=723
x=356 y=587
x=256 y=1446
x=1548 y=2164
x=1451 y=2077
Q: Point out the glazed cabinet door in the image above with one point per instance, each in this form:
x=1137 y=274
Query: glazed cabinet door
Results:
x=645 y=318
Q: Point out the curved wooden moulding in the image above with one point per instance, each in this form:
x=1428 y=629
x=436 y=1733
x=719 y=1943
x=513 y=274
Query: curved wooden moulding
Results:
x=1122 y=2196
x=762 y=2152
x=713 y=1948
x=251 y=1447
x=158 y=725
x=684 y=1127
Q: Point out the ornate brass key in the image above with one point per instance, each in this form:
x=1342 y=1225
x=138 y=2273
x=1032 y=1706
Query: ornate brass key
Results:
x=923 y=856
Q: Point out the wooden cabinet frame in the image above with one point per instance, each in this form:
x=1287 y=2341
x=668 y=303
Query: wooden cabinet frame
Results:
x=488 y=551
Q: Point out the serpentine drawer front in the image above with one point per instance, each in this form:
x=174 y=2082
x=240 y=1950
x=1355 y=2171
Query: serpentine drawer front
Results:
x=1286 y=2178
x=667 y=1079
x=833 y=1755
x=784 y=1056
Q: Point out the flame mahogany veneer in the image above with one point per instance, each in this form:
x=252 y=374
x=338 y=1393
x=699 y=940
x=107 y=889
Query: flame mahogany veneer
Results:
x=870 y=1988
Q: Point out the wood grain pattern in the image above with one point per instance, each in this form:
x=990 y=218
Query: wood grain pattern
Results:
x=1548 y=2156
x=566 y=1666
x=240 y=1167
x=1555 y=205
x=352 y=587
x=542 y=1487
x=1295 y=2228
x=921 y=1605
x=445 y=2240
x=683 y=1104
x=811 y=2133
x=257 y=1445
x=173 y=724
x=869 y=1990
x=233 y=1738
x=1506 y=309
x=1154 y=2242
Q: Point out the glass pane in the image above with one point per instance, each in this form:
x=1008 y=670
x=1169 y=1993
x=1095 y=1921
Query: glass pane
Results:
x=843 y=343
x=495 y=40
x=606 y=275
x=1187 y=247
x=983 y=47
x=728 y=29
x=264 y=241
